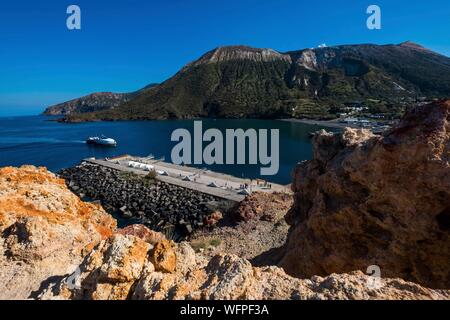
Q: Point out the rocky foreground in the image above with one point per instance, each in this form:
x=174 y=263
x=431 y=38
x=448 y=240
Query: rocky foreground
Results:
x=45 y=230
x=363 y=200
x=376 y=200
x=54 y=246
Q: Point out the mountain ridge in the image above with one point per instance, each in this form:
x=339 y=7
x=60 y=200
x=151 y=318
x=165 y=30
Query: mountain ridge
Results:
x=241 y=81
x=92 y=102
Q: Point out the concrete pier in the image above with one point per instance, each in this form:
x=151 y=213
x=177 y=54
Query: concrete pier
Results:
x=205 y=181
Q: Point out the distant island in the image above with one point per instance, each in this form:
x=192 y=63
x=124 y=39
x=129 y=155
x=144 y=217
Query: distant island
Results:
x=243 y=82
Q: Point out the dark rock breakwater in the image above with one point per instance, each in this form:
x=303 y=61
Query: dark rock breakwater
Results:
x=132 y=198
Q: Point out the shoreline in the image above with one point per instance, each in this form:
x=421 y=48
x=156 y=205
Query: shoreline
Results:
x=322 y=123
x=336 y=125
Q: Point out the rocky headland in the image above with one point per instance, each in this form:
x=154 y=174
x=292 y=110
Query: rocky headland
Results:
x=94 y=102
x=97 y=101
x=363 y=200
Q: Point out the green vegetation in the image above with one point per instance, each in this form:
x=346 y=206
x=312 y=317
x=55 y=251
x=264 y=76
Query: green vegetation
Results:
x=151 y=175
x=146 y=180
x=309 y=109
x=382 y=78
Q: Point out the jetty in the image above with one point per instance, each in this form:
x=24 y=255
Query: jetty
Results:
x=205 y=181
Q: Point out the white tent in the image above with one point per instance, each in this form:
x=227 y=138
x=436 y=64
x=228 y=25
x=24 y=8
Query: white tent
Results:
x=244 y=192
x=162 y=173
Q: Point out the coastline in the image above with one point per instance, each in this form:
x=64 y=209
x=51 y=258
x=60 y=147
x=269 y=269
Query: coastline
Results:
x=322 y=123
x=337 y=125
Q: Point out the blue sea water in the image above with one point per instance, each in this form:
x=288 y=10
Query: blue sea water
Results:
x=41 y=141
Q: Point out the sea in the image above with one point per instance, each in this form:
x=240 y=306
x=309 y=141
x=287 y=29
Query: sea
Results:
x=42 y=141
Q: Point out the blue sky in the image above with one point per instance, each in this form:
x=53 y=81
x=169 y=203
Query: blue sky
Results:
x=124 y=45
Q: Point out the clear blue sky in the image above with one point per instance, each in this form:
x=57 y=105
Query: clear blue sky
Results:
x=124 y=45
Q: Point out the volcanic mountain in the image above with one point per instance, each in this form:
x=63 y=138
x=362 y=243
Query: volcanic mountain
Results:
x=240 y=81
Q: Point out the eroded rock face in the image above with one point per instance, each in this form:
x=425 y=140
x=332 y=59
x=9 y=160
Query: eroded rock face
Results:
x=142 y=232
x=45 y=229
x=116 y=269
x=163 y=257
x=231 y=53
x=371 y=200
x=107 y=273
x=264 y=206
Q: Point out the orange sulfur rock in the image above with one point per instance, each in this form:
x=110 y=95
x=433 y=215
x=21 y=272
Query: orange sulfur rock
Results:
x=142 y=232
x=163 y=257
x=45 y=228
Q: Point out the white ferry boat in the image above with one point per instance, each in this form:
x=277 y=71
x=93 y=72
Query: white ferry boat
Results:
x=102 y=141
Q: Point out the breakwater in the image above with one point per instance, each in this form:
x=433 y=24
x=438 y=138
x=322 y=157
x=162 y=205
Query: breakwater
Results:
x=132 y=198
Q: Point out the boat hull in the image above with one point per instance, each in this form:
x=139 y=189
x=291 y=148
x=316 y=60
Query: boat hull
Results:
x=101 y=142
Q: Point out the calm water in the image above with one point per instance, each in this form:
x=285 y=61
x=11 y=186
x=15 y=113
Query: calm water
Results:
x=38 y=141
